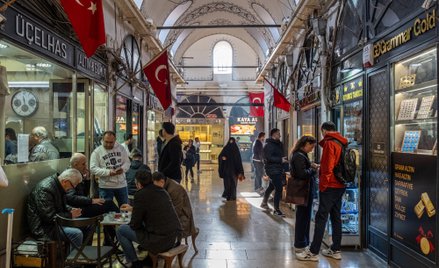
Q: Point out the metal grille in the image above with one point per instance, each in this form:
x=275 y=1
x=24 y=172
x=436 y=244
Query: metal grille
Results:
x=379 y=134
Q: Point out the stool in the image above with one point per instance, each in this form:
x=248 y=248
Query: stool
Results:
x=169 y=256
x=193 y=236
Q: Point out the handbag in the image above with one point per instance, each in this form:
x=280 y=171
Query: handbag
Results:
x=297 y=191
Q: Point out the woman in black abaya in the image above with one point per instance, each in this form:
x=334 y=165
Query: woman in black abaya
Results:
x=230 y=168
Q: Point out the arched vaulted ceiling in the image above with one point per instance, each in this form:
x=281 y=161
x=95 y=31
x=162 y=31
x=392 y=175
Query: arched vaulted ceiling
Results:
x=218 y=13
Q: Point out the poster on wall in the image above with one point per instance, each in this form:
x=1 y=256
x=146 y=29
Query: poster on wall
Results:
x=414 y=205
x=242 y=129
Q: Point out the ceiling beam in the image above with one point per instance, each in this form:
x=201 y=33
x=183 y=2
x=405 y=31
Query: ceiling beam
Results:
x=217 y=104
x=210 y=66
x=218 y=26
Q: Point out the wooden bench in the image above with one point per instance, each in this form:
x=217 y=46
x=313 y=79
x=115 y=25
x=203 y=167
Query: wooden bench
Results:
x=169 y=256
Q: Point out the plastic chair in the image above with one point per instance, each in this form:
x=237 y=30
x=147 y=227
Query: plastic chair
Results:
x=85 y=254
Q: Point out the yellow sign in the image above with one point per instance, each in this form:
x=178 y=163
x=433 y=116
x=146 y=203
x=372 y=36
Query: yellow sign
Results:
x=420 y=26
x=353 y=95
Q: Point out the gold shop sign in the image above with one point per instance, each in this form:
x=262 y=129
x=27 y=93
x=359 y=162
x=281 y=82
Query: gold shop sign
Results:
x=420 y=26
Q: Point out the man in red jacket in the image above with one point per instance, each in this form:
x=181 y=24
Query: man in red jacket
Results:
x=330 y=193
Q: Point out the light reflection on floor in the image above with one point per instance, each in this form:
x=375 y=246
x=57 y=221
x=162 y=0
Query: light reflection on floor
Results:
x=241 y=234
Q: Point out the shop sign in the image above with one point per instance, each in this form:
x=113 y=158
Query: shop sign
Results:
x=91 y=66
x=378 y=148
x=28 y=32
x=414 y=202
x=419 y=27
x=353 y=90
x=247 y=120
x=368 y=56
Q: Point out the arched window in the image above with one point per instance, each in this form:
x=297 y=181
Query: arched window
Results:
x=222 y=58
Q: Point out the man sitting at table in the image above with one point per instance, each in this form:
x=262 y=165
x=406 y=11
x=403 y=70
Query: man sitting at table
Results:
x=76 y=197
x=47 y=200
x=154 y=222
x=181 y=202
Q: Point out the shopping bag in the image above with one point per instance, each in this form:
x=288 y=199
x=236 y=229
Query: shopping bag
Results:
x=3 y=178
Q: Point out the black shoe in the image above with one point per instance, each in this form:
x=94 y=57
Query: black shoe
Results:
x=137 y=264
x=147 y=261
x=279 y=213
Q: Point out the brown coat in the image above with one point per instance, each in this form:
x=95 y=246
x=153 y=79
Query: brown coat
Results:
x=182 y=205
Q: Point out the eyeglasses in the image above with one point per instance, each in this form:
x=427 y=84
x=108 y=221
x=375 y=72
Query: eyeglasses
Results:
x=71 y=184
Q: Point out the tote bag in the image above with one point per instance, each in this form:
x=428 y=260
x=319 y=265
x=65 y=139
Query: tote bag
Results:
x=3 y=178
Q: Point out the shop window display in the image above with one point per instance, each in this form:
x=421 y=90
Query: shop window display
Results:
x=41 y=96
x=414 y=169
x=415 y=104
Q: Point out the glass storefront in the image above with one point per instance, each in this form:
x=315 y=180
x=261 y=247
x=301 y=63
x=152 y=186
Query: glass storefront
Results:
x=41 y=96
x=100 y=106
x=414 y=160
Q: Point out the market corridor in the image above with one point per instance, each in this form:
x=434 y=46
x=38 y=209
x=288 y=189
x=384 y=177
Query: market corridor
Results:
x=240 y=234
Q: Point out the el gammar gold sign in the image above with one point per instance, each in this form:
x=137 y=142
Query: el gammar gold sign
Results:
x=420 y=26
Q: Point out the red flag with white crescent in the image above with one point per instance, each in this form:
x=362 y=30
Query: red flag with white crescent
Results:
x=87 y=19
x=157 y=72
x=279 y=100
x=256 y=111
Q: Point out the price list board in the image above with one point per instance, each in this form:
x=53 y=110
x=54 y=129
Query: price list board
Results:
x=414 y=205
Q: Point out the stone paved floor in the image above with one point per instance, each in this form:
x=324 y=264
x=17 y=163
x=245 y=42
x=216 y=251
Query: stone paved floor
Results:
x=239 y=234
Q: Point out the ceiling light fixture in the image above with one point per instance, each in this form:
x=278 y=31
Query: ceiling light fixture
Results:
x=3 y=46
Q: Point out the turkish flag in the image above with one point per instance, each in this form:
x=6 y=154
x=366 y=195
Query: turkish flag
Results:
x=256 y=111
x=278 y=99
x=157 y=72
x=87 y=19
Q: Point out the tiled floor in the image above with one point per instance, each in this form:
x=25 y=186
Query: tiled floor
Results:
x=240 y=234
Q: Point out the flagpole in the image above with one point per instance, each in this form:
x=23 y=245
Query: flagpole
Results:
x=156 y=56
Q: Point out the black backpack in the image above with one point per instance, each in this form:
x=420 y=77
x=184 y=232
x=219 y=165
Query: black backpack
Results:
x=346 y=168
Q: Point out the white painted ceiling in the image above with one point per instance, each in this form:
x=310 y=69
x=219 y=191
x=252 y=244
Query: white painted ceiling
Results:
x=220 y=12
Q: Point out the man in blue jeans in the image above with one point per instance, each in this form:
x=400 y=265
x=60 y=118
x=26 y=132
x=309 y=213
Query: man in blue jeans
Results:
x=154 y=222
x=331 y=191
x=109 y=162
x=47 y=200
x=273 y=160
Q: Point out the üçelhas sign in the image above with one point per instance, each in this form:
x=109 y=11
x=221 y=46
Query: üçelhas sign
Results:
x=420 y=26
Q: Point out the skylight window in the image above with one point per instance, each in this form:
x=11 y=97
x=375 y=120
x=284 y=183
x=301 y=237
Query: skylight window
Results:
x=172 y=18
x=222 y=58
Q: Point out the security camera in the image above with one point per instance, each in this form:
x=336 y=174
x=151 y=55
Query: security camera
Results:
x=2 y=19
x=427 y=4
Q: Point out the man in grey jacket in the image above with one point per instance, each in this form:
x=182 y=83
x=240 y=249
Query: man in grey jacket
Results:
x=43 y=148
x=109 y=162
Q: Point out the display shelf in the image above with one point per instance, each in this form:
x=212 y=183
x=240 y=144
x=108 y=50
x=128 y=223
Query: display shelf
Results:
x=418 y=87
x=415 y=104
x=431 y=120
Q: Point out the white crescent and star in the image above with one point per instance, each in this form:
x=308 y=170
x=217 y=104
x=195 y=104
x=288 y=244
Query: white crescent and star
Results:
x=92 y=7
x=257 y=99
x=157 y=71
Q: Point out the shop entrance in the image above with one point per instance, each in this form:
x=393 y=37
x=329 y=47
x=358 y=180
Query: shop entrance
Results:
x=378 y=210
x=210 y=132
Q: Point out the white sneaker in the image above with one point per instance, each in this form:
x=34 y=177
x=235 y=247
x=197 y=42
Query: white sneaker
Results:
x=299 y=250
x=332 y=254
x=306 y=255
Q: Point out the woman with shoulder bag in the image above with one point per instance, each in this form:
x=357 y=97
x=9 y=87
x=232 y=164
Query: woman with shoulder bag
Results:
x=303 y=173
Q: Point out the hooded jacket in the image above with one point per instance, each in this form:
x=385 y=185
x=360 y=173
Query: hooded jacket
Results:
x=170 y=159
x=136 y=165
x=273 y=154
x=330 y=158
